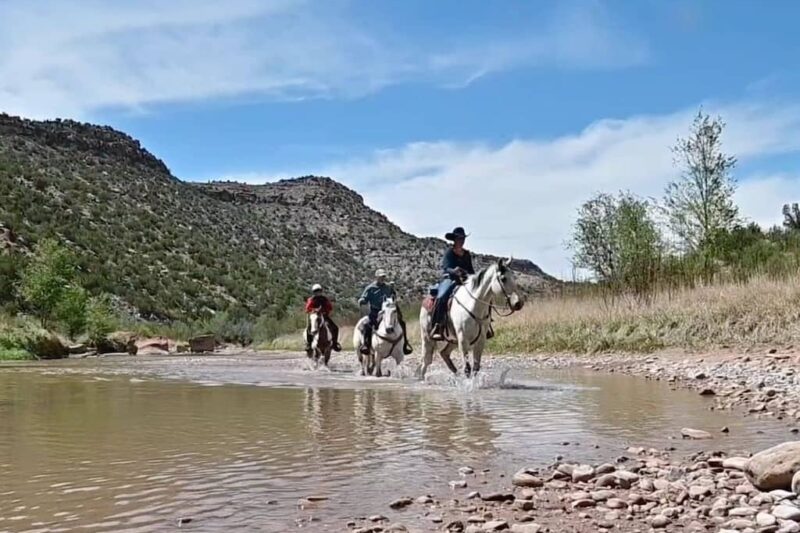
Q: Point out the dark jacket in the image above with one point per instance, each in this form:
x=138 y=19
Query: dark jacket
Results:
x=375 y=294
x=451 y=261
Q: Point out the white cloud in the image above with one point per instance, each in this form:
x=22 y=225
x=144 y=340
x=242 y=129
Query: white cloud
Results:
x=71 y=57
x=520 y=198
x=761 y=198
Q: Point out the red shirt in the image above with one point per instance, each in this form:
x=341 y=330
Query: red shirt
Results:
x=320 y=302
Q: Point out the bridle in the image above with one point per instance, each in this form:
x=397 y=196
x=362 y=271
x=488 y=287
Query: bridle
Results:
x=394 y=342
x=492 y=307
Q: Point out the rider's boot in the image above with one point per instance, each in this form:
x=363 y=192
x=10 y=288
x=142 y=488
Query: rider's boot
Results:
x=309 y=351
x=407 y=349
x=366 y=343
x=437 y=329
x=335 y=334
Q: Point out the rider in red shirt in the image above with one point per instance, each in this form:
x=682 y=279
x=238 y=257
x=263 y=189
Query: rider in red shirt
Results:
x=318 y=300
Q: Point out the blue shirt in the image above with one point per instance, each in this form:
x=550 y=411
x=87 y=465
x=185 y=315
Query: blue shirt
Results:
x=375 y=294
x=451 y=261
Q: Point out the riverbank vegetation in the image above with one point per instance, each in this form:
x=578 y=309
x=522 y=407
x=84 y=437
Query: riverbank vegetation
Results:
x=685 y=271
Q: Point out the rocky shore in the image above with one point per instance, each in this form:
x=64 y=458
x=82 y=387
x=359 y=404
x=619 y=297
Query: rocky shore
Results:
x=641 y=490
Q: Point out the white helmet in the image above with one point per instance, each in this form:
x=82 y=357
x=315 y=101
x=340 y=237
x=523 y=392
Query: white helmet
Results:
x=316 y=287
x=380 y=273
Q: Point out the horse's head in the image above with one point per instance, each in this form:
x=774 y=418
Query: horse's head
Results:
x=389 y=312
x=504 y=284
x=316 y=321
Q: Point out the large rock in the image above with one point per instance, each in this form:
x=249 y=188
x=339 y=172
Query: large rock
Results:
x=119 y=342
x=774 y=467
x=202 y=343
x=158 y=343
x=47 y=346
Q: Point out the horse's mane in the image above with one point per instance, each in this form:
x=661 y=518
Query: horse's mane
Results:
x=477 y=279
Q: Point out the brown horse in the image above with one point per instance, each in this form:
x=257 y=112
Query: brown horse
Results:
x=321 y=341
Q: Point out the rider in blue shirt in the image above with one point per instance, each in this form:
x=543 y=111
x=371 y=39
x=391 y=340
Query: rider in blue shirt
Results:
x=374 y=295
x=456 y=265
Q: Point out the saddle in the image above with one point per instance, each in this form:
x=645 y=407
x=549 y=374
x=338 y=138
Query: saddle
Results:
x=429 y=302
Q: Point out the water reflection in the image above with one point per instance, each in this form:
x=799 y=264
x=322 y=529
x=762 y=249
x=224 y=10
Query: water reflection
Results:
x=113 y=448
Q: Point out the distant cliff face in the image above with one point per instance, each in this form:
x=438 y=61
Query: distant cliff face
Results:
x=173 y=249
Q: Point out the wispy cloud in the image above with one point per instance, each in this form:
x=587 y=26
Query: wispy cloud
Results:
x=520 y=198
x=72 y=57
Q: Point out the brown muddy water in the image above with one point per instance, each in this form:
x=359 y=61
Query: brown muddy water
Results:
x=135 y=444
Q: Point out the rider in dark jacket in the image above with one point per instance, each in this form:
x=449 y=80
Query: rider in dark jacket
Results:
x=374 y=295
x=456 y=265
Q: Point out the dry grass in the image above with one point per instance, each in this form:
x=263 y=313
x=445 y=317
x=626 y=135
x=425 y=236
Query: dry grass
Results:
x=759 y=312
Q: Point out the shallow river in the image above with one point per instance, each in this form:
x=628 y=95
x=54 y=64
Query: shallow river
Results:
x=135 y=444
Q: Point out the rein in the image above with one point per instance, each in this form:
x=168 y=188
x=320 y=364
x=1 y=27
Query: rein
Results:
x=492 y=308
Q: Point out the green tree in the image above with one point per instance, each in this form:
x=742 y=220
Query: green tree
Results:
x=593 y=237
x=71 y=310
x=100 y=319
x=699 y=204
x=638 y=245
x=617 y=239
x=791 y=216
x=47 y=278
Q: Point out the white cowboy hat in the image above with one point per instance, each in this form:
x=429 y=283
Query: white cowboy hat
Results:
x=380 y=273
x=316 y=287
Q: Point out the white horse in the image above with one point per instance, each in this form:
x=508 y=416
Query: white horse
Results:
x=321 y=341
x=387 y=340
x=469 y=317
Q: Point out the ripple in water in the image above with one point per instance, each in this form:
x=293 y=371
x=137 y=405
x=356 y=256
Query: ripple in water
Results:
x=134 y=444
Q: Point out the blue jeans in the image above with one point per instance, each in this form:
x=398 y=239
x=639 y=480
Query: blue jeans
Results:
x=445 y=289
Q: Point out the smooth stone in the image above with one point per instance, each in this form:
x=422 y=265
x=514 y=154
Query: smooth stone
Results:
x=401 y=503
x=582 y=473
x=735 y=463
x=774 y=467
x=786 y=512
x=602 y=495
x=660 y=521
x=526 y=479
x=765 y=519
x=495 y=525
x=742 y=511
x=606 y=480
x=697 y=434
x=581 y=504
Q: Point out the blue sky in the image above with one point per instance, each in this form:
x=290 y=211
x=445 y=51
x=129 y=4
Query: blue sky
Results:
x=500 y=116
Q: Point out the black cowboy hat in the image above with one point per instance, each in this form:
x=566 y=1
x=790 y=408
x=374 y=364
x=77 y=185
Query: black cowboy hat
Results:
x=457 y=233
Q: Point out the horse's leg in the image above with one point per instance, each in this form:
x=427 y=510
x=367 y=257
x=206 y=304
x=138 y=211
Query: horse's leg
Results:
x=477 y=353
x=464 y=349
x=378 y=363
x=428 y=347
x=445 y=353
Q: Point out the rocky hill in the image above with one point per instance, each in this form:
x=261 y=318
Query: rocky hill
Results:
x=172 y=249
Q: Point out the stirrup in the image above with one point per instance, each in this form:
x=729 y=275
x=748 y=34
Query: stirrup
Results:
x=408 y=350
x=337 y=347
x=437 y=334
